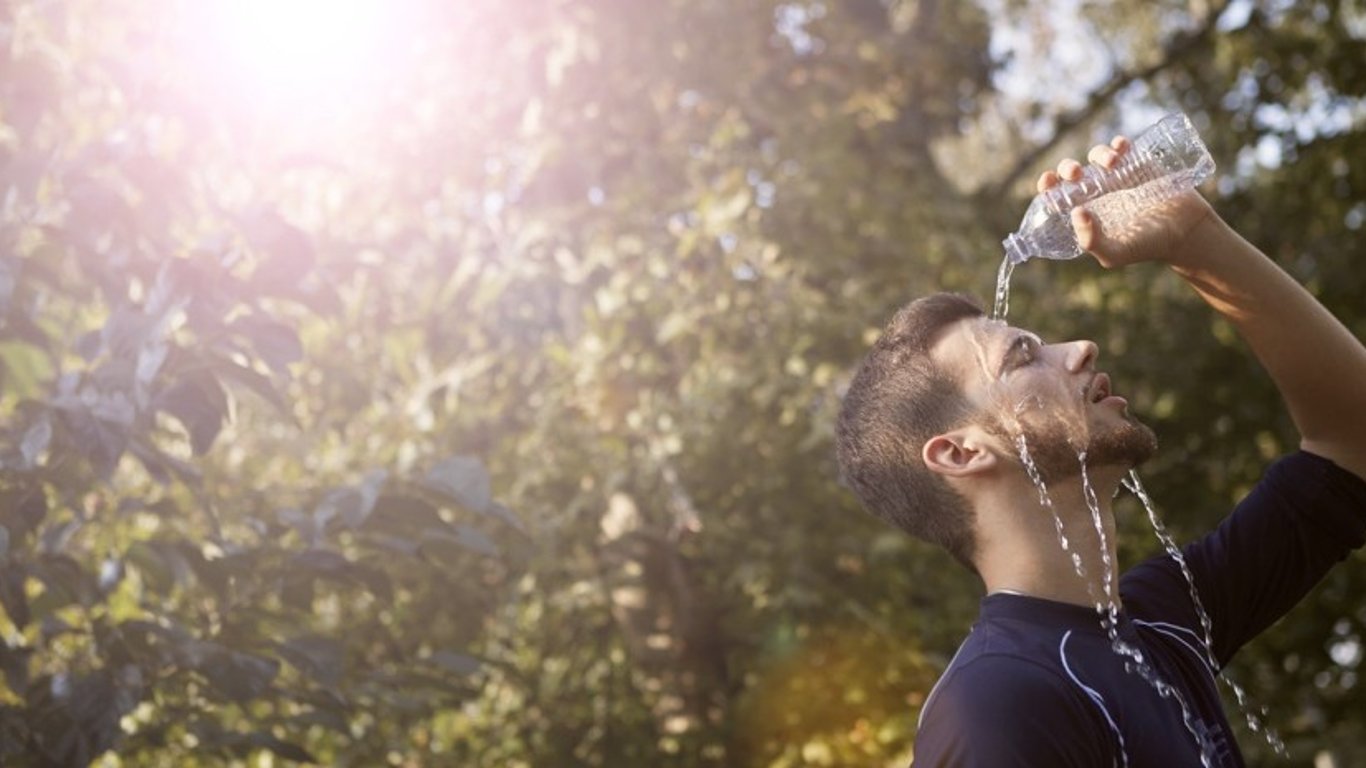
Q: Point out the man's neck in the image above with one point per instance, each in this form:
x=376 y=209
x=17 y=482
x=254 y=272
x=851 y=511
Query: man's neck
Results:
x=1021 y=549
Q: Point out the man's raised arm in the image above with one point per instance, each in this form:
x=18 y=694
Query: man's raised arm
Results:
x=1318 y=366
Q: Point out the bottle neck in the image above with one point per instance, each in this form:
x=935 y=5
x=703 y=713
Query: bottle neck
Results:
x=1018 y=249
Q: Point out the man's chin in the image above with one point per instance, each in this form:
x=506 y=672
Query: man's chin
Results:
x=1056 y=457
x=1128 y=446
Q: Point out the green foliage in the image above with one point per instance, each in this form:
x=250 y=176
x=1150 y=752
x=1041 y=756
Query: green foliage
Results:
x=170 y=593
x=272 y=380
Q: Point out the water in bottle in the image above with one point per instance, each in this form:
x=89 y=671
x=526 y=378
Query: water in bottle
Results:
x=1164 y=160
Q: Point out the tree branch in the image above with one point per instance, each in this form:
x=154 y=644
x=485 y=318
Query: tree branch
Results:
x=1175 y=50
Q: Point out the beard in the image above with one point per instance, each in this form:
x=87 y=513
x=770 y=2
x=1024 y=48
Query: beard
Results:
x=1055 y=449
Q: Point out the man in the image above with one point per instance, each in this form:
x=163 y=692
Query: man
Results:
x=997 y=446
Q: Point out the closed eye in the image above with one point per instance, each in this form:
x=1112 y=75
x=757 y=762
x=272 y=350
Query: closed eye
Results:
x=1023 y=351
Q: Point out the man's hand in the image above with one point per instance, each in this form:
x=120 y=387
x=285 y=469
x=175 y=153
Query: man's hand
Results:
x=1317 y=364
x=1160 y=234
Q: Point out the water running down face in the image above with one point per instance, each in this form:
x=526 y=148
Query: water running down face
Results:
x=1051 y=394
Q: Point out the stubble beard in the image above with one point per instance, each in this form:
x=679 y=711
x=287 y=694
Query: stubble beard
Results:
x=1056 y=450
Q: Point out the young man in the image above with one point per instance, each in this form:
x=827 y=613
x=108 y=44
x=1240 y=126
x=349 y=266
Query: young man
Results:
x=933 y=437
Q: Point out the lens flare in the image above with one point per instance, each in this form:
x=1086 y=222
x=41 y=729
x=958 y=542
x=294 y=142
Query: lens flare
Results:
x=301 y=44
x=299 y=57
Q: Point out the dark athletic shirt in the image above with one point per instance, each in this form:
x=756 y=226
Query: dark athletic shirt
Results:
x=1036 y=683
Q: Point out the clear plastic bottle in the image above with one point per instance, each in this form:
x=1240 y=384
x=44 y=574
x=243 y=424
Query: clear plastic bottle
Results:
x=1165 y=160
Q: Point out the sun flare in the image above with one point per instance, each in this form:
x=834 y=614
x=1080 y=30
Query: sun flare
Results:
x=298 y=53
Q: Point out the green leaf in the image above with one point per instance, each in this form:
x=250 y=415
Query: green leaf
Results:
x=462 y=479
x=397 y=544
x=12 y=596
x=500 y=512
x=256 y=383
x=162 y=564
x=339 y=502
x=476 y=540
x=101 y=443
x=24 y=369
x=321 y=561
x=64 y=581
x=303 y=569
x=395 y=512
x=322 y=658
x=198 y=401
x=370 y=489
x=303 y=523
x=453 y=661
x=289 y=750
x=235 y=675
x=161 y=465
x=289 y=251
x=456 y=543
x=9 y=275
x=125 y=333
x=723 y=212
x=35 y=441
x=22 y=509
x=324 y=717
x=352 y=505
x=276 y=343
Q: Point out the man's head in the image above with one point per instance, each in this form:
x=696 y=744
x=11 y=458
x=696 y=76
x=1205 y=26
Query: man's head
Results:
x=899 y=399
x=943 y=400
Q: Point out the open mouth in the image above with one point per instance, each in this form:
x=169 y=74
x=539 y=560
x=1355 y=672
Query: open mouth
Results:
x=1099 y=389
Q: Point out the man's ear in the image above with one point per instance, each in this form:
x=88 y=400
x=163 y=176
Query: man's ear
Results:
x=959 y=453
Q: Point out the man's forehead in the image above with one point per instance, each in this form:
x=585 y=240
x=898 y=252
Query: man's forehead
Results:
x=973 y=344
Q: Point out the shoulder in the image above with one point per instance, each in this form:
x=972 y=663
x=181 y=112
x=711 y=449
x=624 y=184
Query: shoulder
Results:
x=992 y=681
x=1009 y=709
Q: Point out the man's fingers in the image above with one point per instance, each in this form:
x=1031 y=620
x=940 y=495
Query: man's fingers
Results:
x=1103 y=156
x=1107 y=156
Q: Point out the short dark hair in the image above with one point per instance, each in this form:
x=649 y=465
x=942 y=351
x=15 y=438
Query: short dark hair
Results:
x=899 y=399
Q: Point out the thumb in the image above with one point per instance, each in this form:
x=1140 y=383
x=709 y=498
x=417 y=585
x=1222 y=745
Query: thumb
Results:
x=1086 y=227
x=1088 y=230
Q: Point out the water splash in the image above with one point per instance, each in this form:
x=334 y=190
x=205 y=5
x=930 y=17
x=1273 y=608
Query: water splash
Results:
x=1255 y=716
x=1107 y=565
x=1109 y=614
x=1045 y=501
x=1106 y=607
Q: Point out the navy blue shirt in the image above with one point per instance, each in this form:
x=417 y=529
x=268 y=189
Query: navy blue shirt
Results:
x=1038 y=683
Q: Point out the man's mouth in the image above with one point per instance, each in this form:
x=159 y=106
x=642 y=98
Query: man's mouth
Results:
x=1099 y=388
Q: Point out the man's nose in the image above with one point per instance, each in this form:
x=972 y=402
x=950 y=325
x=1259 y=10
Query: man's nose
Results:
x=1080 y=355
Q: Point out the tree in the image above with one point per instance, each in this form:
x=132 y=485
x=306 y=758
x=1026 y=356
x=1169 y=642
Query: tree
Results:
x=165 y=594
x=266 y=361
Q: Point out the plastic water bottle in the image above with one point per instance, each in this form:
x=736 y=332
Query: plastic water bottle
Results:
x=1165 y=160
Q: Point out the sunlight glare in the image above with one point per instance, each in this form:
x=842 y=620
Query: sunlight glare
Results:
x=289 y=51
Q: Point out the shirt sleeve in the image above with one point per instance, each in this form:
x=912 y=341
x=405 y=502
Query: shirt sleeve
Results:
x=1305 y=515
x=1008 y=712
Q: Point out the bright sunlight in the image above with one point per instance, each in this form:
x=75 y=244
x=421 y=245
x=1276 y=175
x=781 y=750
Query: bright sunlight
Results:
x=302 y=56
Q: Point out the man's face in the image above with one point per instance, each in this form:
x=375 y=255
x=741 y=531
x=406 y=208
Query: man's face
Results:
x=1049 y=394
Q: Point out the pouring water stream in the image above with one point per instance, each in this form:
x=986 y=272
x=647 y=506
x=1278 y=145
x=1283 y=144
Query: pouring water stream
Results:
x=1106 y=608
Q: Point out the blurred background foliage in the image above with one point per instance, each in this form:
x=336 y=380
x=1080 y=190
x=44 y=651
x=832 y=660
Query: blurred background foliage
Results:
x=469 y=402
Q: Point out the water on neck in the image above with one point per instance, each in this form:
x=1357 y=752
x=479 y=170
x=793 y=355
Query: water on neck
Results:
x=1109 y=619
x=1036 y=477
x=1255 y=716
x=1107 y=563
x=1102 y=596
